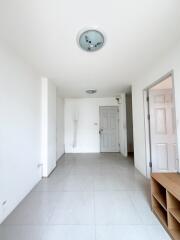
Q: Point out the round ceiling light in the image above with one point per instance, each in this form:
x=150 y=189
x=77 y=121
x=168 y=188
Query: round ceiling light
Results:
x=91 y=40
x=91 y=91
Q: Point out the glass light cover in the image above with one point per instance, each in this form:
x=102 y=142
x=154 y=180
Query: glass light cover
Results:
x=91 y=40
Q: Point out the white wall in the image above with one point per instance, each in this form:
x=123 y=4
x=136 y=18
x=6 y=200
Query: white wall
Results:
x=166 y=63
x=48 y=126
x=20 y=125
x=60 y=127
x=86 y=112
x=123 y=125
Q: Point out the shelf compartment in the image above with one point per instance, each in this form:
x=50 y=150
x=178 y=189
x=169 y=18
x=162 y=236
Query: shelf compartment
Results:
x=160 y=212
x=161 y=199
x=159 y=192
x=176 y=214
x=173 y=206
x=174 y=227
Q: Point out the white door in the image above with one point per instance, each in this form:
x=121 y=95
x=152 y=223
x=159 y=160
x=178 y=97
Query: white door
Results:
x=109 y=129
x=163 y=131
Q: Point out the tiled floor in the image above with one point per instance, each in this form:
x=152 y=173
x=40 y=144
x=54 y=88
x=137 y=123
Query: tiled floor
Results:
x=87 y=197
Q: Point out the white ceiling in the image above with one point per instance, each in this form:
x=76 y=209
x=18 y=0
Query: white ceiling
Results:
x=44 y=33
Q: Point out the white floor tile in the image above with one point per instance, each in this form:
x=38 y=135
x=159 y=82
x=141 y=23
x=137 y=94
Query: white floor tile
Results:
x=74 y=208
x=121 y=233
x=141 y=203
x=21 y=233
x=157 y=233
x=35 y=209
x=88 y=196
x=69 y=233
x=136 y=232
x=68 y=183
x=113 y=181
x=115 y=207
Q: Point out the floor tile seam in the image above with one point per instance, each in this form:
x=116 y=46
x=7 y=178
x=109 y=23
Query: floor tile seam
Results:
x=87 y=225
x=64 y=191
x=120 y=190
x=85 y=191
x=45 y=225
x=94 y=206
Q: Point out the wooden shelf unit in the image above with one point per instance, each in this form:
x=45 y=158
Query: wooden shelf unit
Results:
x=165 y=199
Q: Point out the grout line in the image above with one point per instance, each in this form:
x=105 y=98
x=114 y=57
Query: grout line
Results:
x=94 y=208
x=95 y=225
x=78 y=191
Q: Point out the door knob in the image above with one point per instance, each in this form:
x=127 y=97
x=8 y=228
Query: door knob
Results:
x=100 y=131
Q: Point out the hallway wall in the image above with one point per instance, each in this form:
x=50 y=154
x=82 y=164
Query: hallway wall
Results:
x=168 y=62
x=86 y=112
x=60 y=127
x=20 y=130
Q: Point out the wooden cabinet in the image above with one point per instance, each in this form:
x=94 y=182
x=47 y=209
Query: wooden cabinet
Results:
x=165 y=198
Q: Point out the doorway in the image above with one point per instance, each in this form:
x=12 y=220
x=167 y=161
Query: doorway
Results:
x=129 y=120
x=160 y=124
x=109 y=129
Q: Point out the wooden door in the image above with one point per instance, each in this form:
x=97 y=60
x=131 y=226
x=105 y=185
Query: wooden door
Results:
x=163 y=131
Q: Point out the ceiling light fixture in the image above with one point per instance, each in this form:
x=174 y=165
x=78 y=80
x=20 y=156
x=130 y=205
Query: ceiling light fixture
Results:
x=91 y=40
x=91 y=91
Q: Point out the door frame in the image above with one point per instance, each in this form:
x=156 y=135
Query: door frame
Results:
x=147 y=121
x=115 y=106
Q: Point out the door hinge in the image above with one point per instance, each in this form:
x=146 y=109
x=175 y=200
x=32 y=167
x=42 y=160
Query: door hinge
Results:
x=150 y=164
x=147 y=99
x=148 y=116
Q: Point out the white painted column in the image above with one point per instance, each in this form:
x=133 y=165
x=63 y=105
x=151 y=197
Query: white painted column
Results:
x=48 y=148
x=123 y=125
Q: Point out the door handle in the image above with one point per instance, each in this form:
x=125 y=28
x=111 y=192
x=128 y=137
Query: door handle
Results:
x=100 y=131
